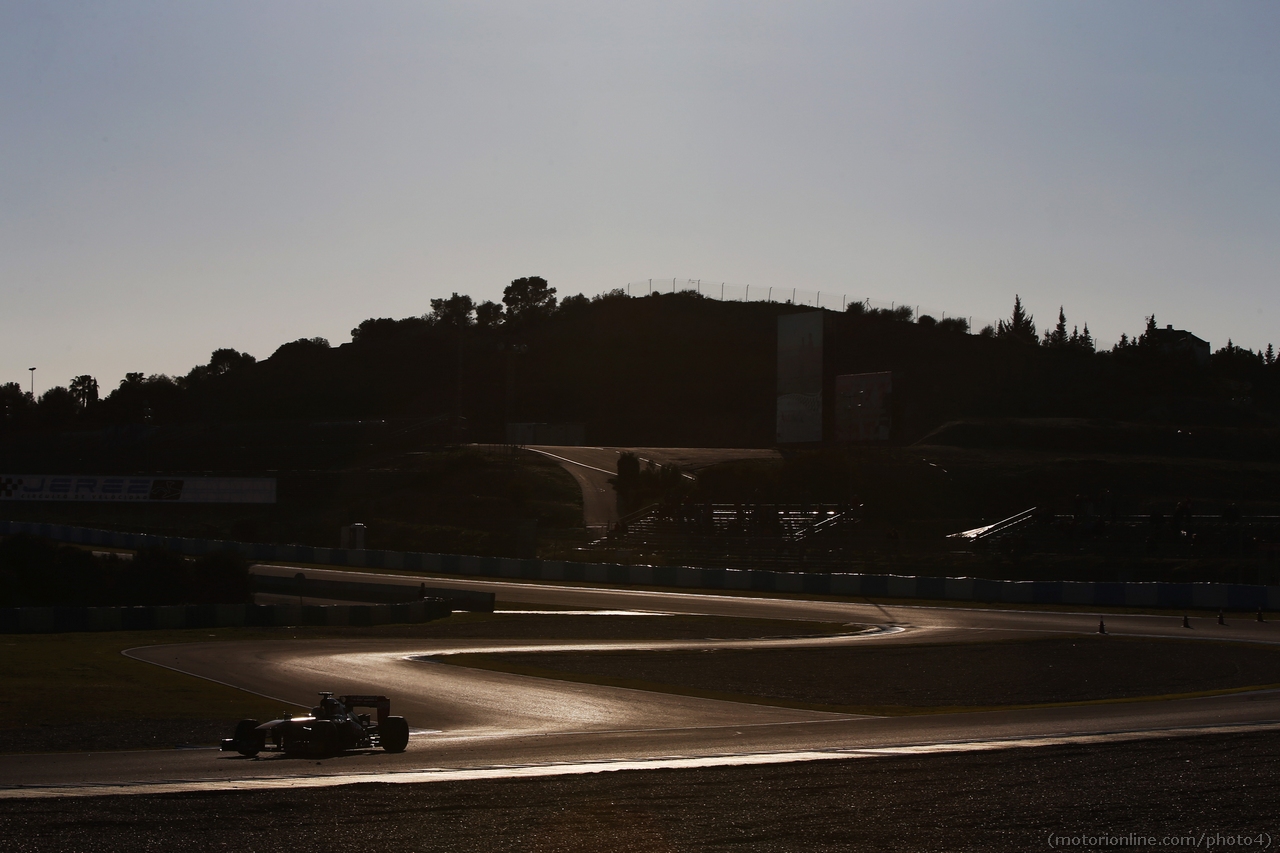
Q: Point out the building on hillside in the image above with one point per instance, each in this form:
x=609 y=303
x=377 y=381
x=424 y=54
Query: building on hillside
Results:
x=816 y=405
x=1171 y=340
x=800 y=377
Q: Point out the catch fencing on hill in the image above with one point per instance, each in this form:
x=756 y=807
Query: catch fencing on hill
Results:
x=1202 y=596
x=831 y=300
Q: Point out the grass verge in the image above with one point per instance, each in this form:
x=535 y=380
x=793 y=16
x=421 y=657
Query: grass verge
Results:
x=73 y=692
x=920 y=678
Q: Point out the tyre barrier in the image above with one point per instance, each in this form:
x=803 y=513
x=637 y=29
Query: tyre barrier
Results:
x=1199 y=596
x=58 y=620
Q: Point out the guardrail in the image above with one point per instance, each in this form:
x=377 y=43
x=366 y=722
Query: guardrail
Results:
x=1075 y=593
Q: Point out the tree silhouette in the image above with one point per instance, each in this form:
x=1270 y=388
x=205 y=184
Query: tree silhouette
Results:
x=57 y=408
x=226 y=360
x=574 y=303
x=627 y=484
x=529 y=299
x=85 y=390
x=1057 y=336
x=456 y=311
x=1020 y=326
x=1082 y=341
x=489 y=315
x=384 y=329
x=1148 y=337
x=16 y=406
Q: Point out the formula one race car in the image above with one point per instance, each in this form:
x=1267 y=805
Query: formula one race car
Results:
x=330 y=727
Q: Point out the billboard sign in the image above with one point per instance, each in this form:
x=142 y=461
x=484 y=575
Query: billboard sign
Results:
x=863 y=410
x=93 y=487
x=799 y=412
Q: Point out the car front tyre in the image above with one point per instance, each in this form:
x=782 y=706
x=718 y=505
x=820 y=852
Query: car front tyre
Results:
x=249 y=741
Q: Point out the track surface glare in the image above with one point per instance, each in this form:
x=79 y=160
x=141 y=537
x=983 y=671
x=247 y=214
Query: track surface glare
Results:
x=500 y=724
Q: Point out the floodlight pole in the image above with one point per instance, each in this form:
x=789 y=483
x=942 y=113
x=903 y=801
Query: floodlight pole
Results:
x=33 y=381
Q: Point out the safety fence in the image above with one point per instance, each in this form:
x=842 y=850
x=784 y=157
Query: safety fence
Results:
x=1074 y=593
x=832 y=300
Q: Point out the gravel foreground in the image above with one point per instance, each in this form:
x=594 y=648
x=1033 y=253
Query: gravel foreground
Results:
x=1220 y=786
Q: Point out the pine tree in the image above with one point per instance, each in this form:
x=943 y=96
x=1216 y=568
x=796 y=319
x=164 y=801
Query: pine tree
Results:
x=1083 y=341
x=1057 y=337
x=1270 y=357
x=1020 y=327
x=1148 y=338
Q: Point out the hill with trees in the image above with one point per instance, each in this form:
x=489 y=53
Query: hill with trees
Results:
x=670 y=369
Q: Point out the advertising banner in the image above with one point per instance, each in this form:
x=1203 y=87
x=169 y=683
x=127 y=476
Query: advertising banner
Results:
x=799 y=411
x=93 y=487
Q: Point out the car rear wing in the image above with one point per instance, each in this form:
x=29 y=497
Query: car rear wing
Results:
x=381 y=703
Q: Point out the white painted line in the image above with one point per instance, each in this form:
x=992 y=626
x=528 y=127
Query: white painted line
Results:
x=582 y=613
x=573 y=462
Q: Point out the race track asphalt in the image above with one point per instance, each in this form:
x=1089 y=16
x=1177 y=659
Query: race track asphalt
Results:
x=472 y=723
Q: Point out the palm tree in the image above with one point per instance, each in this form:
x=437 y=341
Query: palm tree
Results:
x=85 y=390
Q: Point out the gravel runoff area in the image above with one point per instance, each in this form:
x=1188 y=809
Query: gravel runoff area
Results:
x=1011 y=800
x=906 y=678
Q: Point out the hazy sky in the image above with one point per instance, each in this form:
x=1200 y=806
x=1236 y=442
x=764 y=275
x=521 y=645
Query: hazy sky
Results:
x=180 y=176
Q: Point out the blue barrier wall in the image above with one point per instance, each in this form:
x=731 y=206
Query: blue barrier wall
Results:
x=1082 y=593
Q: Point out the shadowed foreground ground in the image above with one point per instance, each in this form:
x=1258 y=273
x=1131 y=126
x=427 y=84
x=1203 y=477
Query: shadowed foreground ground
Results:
x=1009 y=800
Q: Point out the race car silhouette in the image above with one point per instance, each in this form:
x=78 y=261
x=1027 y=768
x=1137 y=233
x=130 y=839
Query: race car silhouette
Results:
x=332 y=726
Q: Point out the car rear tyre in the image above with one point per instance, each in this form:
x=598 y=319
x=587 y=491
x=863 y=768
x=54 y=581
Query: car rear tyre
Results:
x=249 y=741
x=394 y=734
